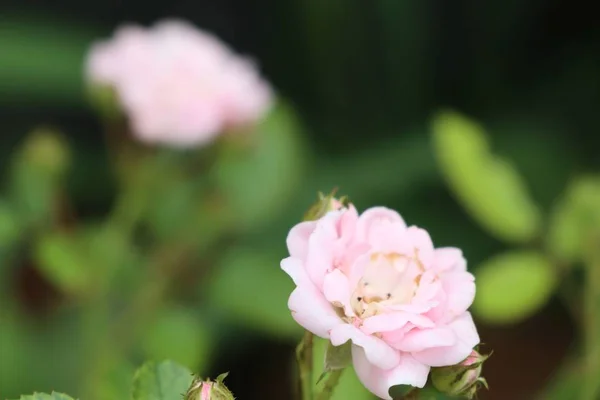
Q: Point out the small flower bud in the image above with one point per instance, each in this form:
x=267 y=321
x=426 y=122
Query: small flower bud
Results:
x=323 y=206
x=208 y=390
x=461 y=380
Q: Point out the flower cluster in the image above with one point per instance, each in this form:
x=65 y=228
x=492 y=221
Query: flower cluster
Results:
x=177 y=84
x=373 y=280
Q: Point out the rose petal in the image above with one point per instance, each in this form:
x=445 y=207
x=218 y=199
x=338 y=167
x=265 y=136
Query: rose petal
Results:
x=377 y=351
x=421 y=339
x=449 y=259
x=297 y=239
x=393 y=320
x=336 y=290
x=295 y=269
x=460 y=293
x=372 y=219
x=467 y=338
x=312 y=311
x=407 y=372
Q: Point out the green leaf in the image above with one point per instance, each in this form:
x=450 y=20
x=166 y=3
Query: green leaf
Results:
x=575 y=218
x=166 y=380
x=513 y=286
x=258 y=180
x=9 y=225
x=349 y=386
x=249 y=287
x=338 y=357
x=58 y=257
x=489 y=187
x=45 y=396
x=61 y=43
x=179 y=335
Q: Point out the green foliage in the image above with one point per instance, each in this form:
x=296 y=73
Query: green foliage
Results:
x=166 y=380
x=258 y=174
x=575 y=219
x=9 y=225
x=45 y=396
x=59 y=258
x=249 y=287
x=180 y=335
x=27 y=39
x=512 y=286
x=349 y=386
x=488 y=186
x=338 y=357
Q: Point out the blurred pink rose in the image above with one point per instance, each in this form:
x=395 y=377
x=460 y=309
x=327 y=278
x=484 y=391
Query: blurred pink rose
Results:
x=374 y=281
x=178 y=85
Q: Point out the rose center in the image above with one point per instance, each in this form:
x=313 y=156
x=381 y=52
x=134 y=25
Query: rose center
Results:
x=389 y=279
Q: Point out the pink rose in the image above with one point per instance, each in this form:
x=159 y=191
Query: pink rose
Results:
x=382 y=285
x=178 y=85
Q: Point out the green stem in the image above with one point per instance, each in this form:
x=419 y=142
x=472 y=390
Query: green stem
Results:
x=304 y=355
x=330 y=384
x=592 y=331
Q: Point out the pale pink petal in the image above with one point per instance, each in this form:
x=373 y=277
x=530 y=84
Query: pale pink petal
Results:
x=421 y=339
x=429 y=287
x=449 y=259
x=336 y=290
x=377 y=351
x=460 y=292
x=421 y=241
x=311 y=310
x=379 y=381
x=467 y=338
x=295 y=269
x=297 y=239
x=373 y=217
x=393 y=320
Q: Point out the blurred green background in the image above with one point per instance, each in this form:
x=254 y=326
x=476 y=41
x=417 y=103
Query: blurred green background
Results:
x=362 y=85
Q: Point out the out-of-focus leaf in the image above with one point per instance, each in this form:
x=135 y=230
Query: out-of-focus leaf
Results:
x=166 y=380
x=575 y=218
x=59 y=258
x=45 y=396
x=349 y=386
x=250 y=287
x=116 y=384
x=178 y=334
x=257 y=181
x=42 y=59
x=40 y=356
x=512 y=286
x=489 y=187
x=32 y=191
x=567 y=383
x=9 y=226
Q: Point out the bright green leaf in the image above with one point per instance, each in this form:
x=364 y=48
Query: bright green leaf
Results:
x=58 y=257
x=489 y=187
x=250 y=287
x=179 y=335
x=575 y=218
x=258 y=179
x=349 y=386
x=45 y=396
x=166 y=380
x=513 y=286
